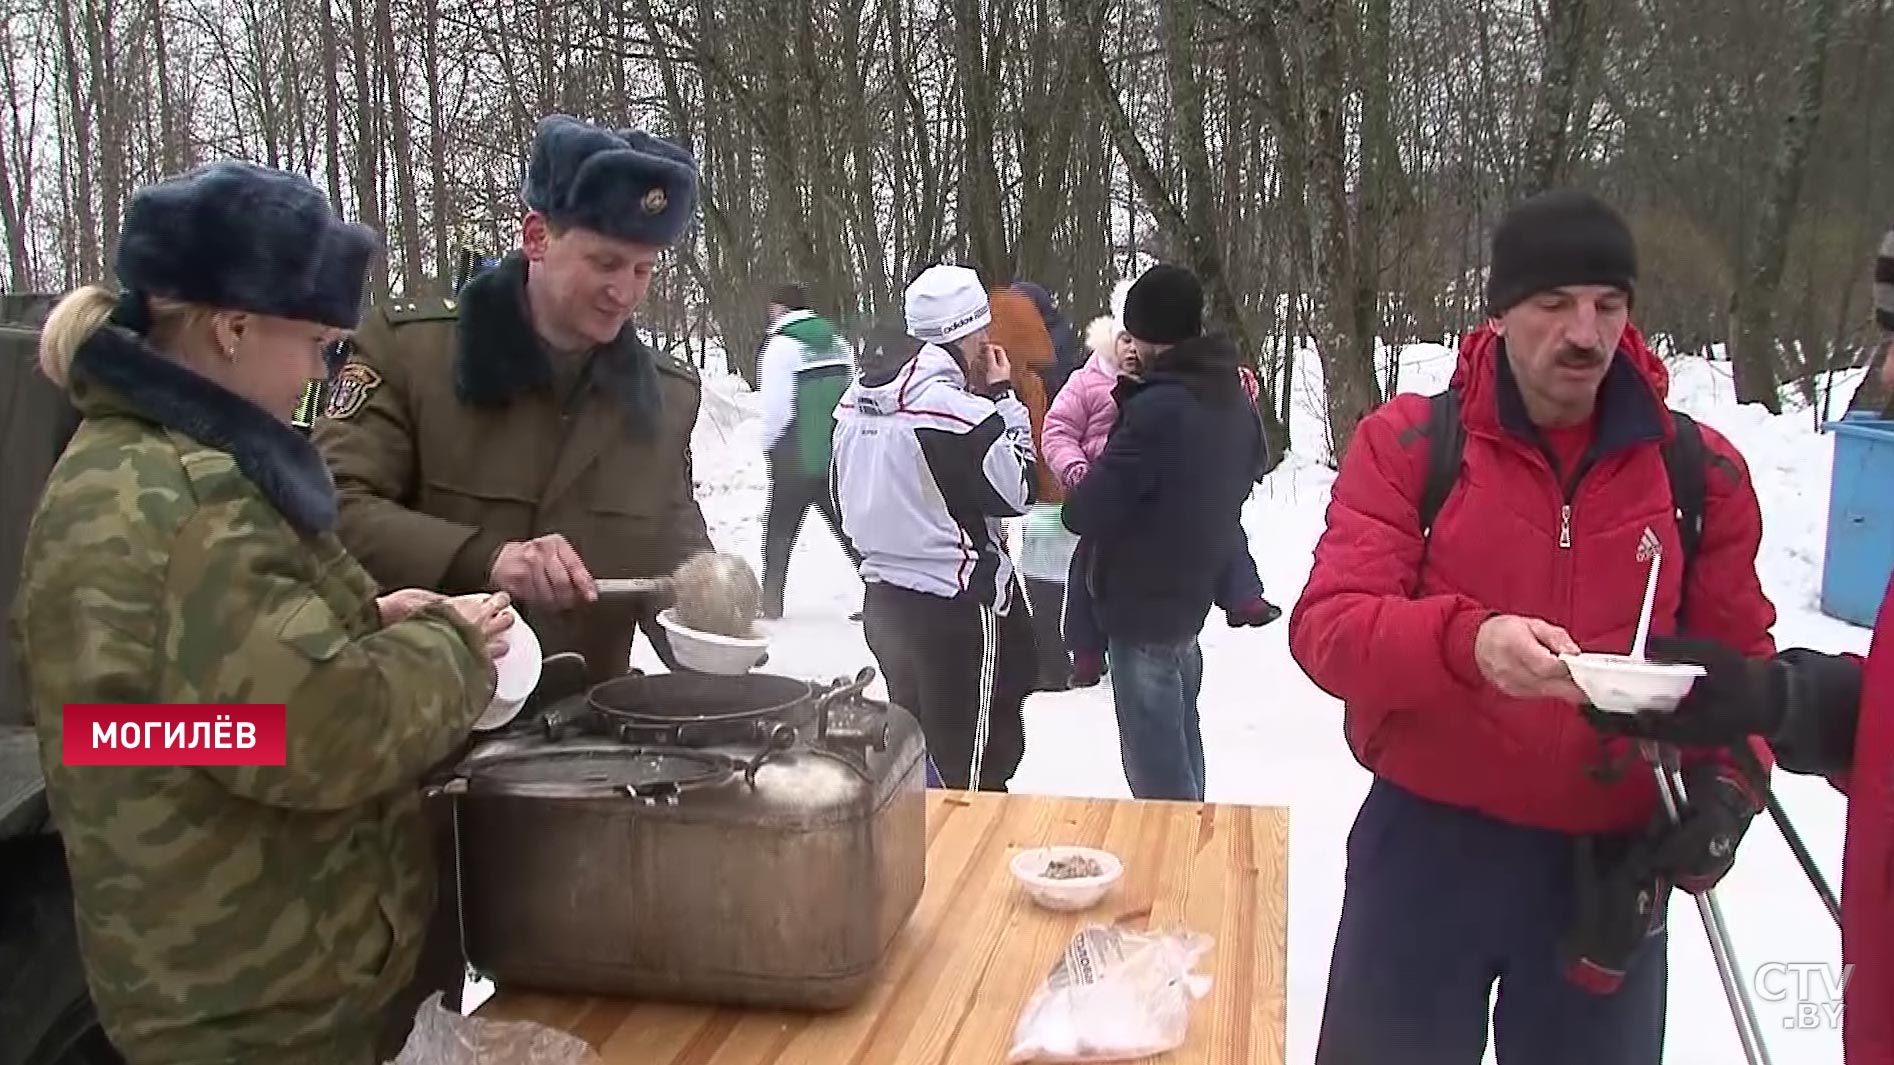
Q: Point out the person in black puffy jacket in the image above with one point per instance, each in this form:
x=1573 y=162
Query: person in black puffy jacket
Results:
x=1162 y=506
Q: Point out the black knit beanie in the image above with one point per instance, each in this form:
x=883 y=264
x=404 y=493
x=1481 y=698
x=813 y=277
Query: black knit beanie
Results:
x=1164 y=306
x=1884 y=283
x=1563 y=237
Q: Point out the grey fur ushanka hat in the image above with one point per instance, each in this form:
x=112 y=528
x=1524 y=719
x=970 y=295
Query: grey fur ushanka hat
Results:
x=624 y=184
x=243 y=237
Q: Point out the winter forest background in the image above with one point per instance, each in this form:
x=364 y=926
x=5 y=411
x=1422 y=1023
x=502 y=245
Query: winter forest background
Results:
x=1330 y=167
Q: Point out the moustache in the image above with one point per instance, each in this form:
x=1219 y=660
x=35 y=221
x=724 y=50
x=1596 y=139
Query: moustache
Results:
x=1580 y=358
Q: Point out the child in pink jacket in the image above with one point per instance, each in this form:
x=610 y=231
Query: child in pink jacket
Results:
x=1077 y=425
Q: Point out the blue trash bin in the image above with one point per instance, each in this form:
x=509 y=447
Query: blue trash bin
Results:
x=1860 y=548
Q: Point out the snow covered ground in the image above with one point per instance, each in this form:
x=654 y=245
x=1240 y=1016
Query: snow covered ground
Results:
x=1274 y=739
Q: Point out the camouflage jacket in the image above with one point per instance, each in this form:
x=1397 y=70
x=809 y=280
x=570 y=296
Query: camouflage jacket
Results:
x=181 y=554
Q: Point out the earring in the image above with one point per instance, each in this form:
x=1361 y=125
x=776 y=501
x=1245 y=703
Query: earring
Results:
x=230 y=354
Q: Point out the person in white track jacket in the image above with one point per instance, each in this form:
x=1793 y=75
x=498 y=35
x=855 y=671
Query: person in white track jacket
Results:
x=925 y=471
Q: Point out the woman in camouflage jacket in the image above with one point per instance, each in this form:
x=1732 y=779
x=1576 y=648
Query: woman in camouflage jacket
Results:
x=182 y=553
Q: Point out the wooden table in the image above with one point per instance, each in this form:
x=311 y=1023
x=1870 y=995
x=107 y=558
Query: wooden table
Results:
x=976 y=948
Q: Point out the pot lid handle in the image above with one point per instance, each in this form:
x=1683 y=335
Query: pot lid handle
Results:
x=780 y=738
x=843 y=690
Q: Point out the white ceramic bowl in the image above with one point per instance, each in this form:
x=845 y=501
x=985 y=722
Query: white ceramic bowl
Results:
x=519 y=675
x=1620 y=684
x=708 y=652
x=1029 y=867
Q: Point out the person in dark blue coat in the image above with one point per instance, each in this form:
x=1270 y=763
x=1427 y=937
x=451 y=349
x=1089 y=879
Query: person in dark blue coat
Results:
x=1162 y=508
x=1068 y=348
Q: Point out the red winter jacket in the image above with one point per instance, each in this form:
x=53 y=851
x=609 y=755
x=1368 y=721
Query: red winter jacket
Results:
x=1419 y=713
x=1867 y=889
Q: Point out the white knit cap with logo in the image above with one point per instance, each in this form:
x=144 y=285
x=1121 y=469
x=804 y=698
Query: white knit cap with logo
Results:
x=946 y=303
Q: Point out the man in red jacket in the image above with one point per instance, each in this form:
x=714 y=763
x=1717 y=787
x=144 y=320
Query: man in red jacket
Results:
x=1833 y=716
x=1503 y=840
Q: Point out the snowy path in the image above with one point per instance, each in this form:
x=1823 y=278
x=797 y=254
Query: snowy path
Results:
x=1272 y=738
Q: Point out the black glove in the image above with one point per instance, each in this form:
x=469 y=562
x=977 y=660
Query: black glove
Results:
x=1698 y=851
x=1736 y=698
x=1620 y=901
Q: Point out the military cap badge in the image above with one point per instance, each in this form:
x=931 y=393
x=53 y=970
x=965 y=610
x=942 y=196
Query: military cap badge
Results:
x=655 y=201
x=353 y=384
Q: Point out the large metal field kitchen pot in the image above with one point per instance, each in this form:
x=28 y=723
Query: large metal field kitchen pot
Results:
x=747 y=840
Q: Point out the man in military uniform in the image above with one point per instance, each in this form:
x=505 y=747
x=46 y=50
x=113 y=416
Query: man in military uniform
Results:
x=520 y=437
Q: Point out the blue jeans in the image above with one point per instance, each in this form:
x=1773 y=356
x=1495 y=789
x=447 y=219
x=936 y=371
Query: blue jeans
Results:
x=1439 y=904
x=1154 y=689
x=1239 y=583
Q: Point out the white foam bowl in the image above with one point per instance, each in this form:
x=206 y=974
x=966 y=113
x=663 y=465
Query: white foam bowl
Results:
x=1620 y=684
x=1077 y=893
x=709 y=652
x=518 y=671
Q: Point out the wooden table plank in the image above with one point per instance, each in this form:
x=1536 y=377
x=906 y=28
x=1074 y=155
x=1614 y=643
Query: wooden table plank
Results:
x=976 y=949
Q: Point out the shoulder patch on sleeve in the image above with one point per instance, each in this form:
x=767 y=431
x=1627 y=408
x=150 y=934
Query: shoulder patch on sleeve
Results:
x=353 y=384
x=430 y=309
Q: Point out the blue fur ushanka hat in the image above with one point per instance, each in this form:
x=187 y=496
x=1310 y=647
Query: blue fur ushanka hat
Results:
x=625 y=184
x=242 y=237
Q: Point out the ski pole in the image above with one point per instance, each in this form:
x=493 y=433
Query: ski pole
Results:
x=1752 y=768
x=1670 y=789
x=1802 y=856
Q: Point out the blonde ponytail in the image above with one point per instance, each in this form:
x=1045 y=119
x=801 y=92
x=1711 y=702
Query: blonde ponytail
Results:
x=71 y=324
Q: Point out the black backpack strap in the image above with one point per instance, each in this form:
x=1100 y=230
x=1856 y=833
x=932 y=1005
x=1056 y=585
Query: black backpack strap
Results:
x=1446 y=439
x=1684 y=463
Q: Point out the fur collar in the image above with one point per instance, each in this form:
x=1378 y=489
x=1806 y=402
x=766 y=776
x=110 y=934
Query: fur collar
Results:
x=501 y=358
x=274 y=456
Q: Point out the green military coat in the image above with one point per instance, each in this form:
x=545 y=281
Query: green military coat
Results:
x=451 y=431
x=181 y=553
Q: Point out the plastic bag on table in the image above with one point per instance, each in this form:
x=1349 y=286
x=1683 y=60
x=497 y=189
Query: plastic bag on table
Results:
x=443 y=1037
x=1116 y=995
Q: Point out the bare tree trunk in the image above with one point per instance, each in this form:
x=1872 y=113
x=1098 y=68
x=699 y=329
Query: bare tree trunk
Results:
x=928 y=216
x=414 y=279
x=982 y=215
x=1379 y=193
x=331 y=100
x=1288 y=116
x=546 y=65
x=871 y=250
x=367 y=137
x=16 y=172
x=1187 y=126
x=1347 y=356
x=441 y=198
x=69 y=235
x=111 y=106
x=1753 y=353
x=171 y=136
x=88 y=262
x=1548 y=146
x=1048 y=126
x=294 y=101
x=824 y=212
